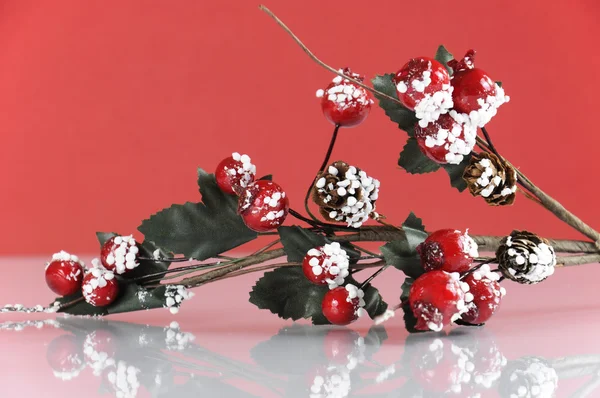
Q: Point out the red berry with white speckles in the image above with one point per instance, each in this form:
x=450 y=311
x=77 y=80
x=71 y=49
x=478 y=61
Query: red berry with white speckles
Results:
x=100 y=287
x=448 y=250
x=119 y=254
x=475 y=93
x=64 y=274
x=446 y=140
x=263 y=205
x=486 y=293
x=343 y=305
x=437 y=299
x=65 y=357
x=423 y=85
x=326 y=265
x=345 y=103
x=234 y=173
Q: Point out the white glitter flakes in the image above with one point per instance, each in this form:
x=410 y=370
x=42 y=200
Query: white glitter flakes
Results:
x=488 y=108
x=174 y=296
x=123 y=254
x=246 y=171
x=175 y=339
x=99 y=279
x=64 y=256
x=344 y=93
x=331 y=260
x=469 y=246
x=490 y=180
x=454 y=133
x=541 y=258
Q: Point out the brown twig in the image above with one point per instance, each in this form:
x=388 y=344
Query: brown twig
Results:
x=577 y=260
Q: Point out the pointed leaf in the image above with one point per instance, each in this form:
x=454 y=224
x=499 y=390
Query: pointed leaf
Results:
x=402 y=253
x=414 y=161
x=199 y=230
x=456 y=171
x=104 y=236
x=287 y=293
x=298 y=241
x=442 y=55
x=404 y=117
x=409 y=318
x=268 y=177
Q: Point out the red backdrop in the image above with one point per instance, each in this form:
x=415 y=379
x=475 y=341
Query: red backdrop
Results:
x=108 y=107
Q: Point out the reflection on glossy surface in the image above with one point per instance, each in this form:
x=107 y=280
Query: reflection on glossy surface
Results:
x=129 y=360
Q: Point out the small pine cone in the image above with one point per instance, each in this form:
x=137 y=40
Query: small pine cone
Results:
x=491 y=178
x=525 y=257
x=345 y=193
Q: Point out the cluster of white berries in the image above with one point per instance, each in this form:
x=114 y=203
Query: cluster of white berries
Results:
x=123 y=256
x=344 y=93
x=332 y=260
x=175 y=295
x=246 y=171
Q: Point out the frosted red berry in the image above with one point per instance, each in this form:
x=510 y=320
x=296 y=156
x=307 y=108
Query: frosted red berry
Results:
x=234 y=173
x=119 y=254
x=64 y=274
x=263 y=205
x=446 y=140
x=486 y=295
x=342 y=346
x=448 y=250
x=423 y=85
x=326 y=265
x=474 y=92
x=100 y=287
x=345 y=103
x=343 y=305
x=437 y=299
x=65 y=357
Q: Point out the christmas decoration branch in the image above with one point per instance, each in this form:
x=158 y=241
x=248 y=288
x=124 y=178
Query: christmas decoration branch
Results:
x=310 y=271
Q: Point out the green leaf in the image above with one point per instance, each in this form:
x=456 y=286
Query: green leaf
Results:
x=268 y=177
x=199 y=230
x=402 y=253
x=409 y=318
x=442 y=55
x=414 y=161
x=456 y=171
x=104 y=236
x=404 y=117
x=298 y=241
x=287 y=293
x=374 y=304
x=499 y=84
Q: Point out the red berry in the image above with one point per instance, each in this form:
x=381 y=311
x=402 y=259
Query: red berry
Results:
x=486 y=293
x=344 y=347
x=263 y=206
x=119 y=254
x=100 y=287
x=437 y=299
x=423 y=85
x=234 y=173
x=65 y=357
x=448 y=250
x=343 y=305
x=326 y=265
x=446 y=140
x=344 y=102
x=64 y=274
x=475 y=93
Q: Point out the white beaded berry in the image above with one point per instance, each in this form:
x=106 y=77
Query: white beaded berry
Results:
x=328 y=264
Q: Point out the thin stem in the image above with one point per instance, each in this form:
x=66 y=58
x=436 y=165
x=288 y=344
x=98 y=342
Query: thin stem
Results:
x=577 y=260
x=370 y=279
x=267 y=247
x=321 y=63
x=374 y=255
x=165 y=260
x=489 y=141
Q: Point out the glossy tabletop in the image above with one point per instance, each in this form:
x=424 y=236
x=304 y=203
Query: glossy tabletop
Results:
x=542 y=343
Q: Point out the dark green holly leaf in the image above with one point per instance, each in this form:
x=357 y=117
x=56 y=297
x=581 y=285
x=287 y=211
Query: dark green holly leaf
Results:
x=404 y=117
x=268 y=177
x=499 y=84
x=80 y=308
x=374 y=304
x=442 y=55
x=409 y=318
x=402 y=253
x=298 y=241
x=414 y=161
x=456 y=171
x=415 y=230
x=104 y=236
x=199 y=230
x=463 y=323
x=287 y=293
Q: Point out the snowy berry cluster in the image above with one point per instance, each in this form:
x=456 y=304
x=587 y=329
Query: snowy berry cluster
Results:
x=449 y=108
x=451 y=288
x=329 y=265
x=263 y=204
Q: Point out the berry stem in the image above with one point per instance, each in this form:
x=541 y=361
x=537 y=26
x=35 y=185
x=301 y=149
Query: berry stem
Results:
x=577 y=260
x=321 y=63
x=370 y=279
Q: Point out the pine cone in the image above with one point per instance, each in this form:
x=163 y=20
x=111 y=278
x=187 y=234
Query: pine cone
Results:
x=525 y=257
x=491 y=178
x=345 y=193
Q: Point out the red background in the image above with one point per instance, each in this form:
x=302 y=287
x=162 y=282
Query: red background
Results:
x=108 y=107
